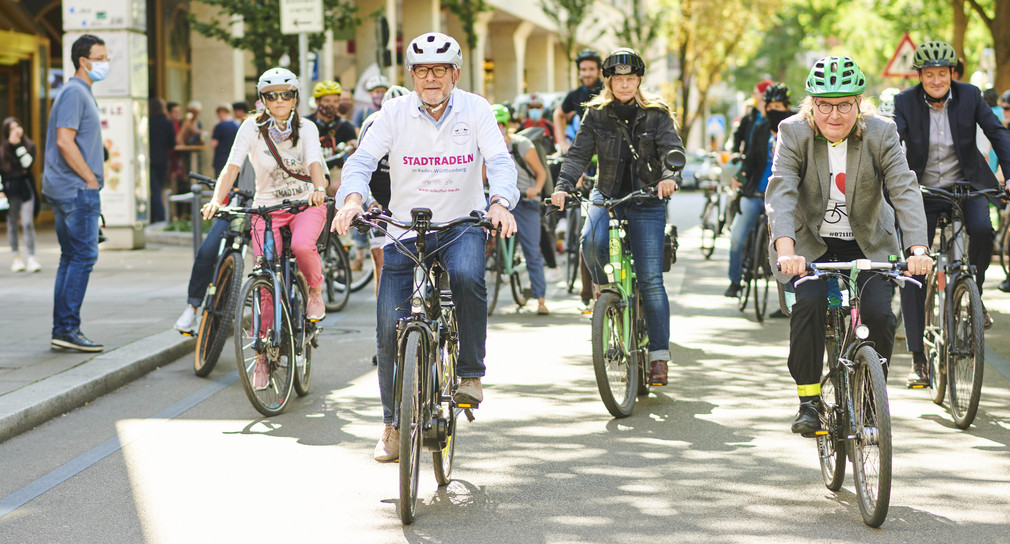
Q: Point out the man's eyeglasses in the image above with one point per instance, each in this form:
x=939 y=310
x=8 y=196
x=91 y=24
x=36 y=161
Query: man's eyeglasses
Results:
x=438 y=71
x=282 y=95
x=843 y=107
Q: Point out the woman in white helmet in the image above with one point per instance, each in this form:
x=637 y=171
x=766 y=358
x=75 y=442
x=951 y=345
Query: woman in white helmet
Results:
x=300 y=177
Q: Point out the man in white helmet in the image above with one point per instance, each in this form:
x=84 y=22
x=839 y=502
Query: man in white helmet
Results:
x=376 y=87
x=437 y=138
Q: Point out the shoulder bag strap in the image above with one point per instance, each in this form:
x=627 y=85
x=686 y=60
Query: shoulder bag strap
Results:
x=280 y=162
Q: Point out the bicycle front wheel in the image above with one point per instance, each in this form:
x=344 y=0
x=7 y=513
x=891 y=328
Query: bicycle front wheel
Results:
x=264 y=366
x=336 y=275
x=448 y=381
x=304 y=332
x=411 y=358
x=216 y=323
x=965 y=353
x=871 y=437
x=616 y=374
x=761 y=272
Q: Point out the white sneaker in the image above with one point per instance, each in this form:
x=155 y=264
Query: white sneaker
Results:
x=33 y=265
x=18 y=265
x=388 y=447
x=186 y=321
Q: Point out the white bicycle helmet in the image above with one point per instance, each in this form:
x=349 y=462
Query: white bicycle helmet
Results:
x=394 y=92
x=375 y=82
x=434 y=48
x=277 y=77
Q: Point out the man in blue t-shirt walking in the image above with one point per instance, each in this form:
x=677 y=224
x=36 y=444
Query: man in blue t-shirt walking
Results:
x=71 y=180
x=223 y=137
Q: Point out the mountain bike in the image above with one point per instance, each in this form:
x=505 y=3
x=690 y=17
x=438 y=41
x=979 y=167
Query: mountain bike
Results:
x=855 y=415
x=508 y=262
x=223 y=292
x=757 y=271
x=424 y=375
x=272 y=328
x=954 y=327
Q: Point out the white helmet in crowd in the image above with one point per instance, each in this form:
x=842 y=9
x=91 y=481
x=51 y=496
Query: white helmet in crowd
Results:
x=394 y=92
x=434 y=48
x=886 y=107
x=375 y=82
x=277 y=77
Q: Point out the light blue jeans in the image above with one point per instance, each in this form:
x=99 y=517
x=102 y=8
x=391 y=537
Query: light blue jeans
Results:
x=527 y=214
x=746 y=220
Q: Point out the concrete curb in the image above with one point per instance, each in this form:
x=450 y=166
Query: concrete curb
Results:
x=32 y=405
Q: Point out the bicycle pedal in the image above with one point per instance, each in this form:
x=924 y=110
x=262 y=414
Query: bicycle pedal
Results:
x=469 y=414
x=468 y=405
x=916 y=386
x=190 y=334
x=821 y=433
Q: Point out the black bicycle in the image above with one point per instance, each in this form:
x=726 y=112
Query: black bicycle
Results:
x=427 y=341
x=756 y=270
x=222 y=293
x=273 y=335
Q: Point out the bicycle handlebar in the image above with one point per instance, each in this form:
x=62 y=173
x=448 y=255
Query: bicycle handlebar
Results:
x=295 y=206
x=891 y=270
x=575 y=199
x=210 y=183
x=963 y=190
x=372 y=217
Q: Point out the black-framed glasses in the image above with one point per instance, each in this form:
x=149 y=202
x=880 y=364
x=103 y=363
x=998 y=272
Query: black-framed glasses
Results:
x=843 y=107
x=273 y=96
x=438 y=70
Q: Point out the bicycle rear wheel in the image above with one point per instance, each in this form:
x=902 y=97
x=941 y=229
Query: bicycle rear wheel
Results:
x=871 y=442
x=443 y=458
x=492 y=274
x=304 y=334
x=616 y=374
x=936 y=356
x=336 y=271
x=411 y=359
x=708 y=226
x=216 y=323
x=746 y=269
x=831 y=447
x=254 y=331
x=518 y=279
x=965 y=353
x=761 y=272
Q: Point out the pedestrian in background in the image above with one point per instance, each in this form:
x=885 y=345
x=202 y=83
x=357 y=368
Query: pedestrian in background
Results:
x=162 y=133
x=17 y=154
x=73 y=176
x=222 y=137
x=239 y=110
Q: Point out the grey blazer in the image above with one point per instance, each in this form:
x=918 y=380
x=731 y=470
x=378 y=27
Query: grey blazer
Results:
x=797 y=194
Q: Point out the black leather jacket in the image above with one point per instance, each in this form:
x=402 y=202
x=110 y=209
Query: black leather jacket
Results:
x=654 y=135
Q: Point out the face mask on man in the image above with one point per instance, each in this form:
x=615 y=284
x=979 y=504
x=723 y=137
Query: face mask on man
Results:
x=328 y=111
x=775 y=117
x=98 y=71
x=536 y=113
x=377 y=101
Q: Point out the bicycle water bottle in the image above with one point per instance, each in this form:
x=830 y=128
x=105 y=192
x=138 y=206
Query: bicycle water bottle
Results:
x=834 y=294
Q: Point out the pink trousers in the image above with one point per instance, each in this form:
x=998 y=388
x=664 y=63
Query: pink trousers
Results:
x=305 y=229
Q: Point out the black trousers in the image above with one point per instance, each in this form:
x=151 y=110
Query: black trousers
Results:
x=807 y=320
x=980 y=244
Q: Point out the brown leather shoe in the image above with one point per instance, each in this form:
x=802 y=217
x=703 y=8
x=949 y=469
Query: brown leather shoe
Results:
x=658 y=374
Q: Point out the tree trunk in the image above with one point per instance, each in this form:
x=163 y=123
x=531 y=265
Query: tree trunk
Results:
x=960 y=24
x=999 y=27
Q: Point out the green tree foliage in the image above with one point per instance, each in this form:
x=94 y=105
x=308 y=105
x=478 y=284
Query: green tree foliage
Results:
x=568 y=16
x=262 y=23
x=640 y=30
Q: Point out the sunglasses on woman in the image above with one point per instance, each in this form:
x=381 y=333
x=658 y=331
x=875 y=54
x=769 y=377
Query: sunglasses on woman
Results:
x=272 y=96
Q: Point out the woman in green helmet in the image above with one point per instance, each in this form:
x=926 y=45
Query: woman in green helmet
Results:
x=825 y=202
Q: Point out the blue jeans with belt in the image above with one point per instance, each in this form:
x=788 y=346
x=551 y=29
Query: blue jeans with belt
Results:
x=646 y=224
x=461 y=252
x=77 y=231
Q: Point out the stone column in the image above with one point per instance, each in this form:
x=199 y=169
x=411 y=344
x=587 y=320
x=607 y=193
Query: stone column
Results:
x=540 y=62
x=419 y=17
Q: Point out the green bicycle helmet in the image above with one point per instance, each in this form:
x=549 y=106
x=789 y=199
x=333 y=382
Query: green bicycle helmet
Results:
x=835 y=76
x=501 y=114
x=932 y=54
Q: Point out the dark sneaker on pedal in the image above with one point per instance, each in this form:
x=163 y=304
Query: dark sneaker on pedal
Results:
x=1005 y=285
x=919 y=376
x=657 y=374
x=469 y=392
x=733 y=291
x=74 y=340
x=808 y=419
x=388 y=448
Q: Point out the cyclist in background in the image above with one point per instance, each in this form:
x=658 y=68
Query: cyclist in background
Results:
x=588 y=62
x=535 y=118
x=437 y=138
x=741 y=136
x=376 y=87
x=936 y=121
x=816 y=214
x=757 y=168
x=333 y=130
x=621 y=107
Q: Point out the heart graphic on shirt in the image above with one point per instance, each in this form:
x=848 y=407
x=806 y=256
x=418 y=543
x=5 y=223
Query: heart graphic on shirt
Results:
x=840 y=182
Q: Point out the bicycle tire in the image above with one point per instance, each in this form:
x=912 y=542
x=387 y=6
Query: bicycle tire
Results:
x=966 y=352
x=936 y=357
x=871 y=442
x=443 y=457
x=411 y=427
x=746 y=269
x=492 y=277
x=362 y=278
x=708 y=229
x=257 y=294
x=517 y=282
x=831 y=447
x=761 y=273
x=641 y=335
x=336 y=267
x=303 y=333
x=616 y=375
x=1003 y=246
x=216 y=322
x=572 y=243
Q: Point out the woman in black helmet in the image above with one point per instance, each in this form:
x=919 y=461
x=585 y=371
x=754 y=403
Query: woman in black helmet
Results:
x=622 y=107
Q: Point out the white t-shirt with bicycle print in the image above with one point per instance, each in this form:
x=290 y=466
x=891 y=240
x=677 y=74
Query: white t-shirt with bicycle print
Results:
x=836 y=216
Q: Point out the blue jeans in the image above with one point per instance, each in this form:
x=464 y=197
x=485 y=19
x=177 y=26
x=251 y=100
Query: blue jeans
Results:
x=203 y=264
x=527 y=214
x=461 y=252
x=646 y=221
x=746 y=220
x=77 y=231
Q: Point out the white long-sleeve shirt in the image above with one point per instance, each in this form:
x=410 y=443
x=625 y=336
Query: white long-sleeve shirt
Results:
x=435 y=165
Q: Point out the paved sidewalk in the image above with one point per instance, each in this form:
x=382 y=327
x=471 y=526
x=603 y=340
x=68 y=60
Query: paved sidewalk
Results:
x=132 y=301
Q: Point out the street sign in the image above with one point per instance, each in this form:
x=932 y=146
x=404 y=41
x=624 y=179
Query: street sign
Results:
x=301 y=16
x=900 y=64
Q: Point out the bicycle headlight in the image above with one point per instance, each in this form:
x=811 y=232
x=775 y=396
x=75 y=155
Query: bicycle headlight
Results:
x=862 y=332
x=608 y=268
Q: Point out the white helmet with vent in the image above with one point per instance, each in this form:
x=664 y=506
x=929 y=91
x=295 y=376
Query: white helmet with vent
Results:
x=277 y=77
x=434 y=48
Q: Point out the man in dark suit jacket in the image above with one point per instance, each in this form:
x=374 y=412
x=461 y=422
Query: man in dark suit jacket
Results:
x=936 y=120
